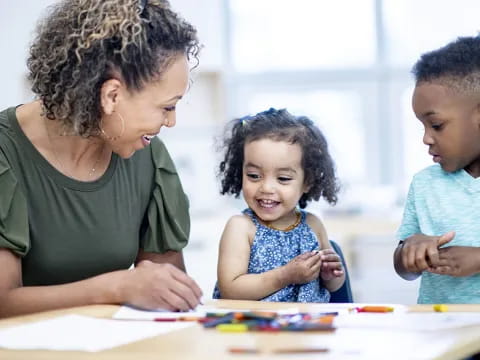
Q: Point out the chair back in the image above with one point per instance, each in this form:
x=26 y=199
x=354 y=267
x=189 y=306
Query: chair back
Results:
x=344 y=294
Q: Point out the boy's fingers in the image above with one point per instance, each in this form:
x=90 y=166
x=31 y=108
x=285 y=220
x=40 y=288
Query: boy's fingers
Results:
x=445 y=238
x=420 y=258
x=409 y=261
x=439 y=270
x=433 y=256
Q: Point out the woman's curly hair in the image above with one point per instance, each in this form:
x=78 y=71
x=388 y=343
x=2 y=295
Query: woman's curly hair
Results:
x=279 y=125
x=82 y=43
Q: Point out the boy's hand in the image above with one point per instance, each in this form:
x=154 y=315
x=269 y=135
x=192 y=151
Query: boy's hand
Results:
x=303 y=268
x=332 y=266
x=421 y=252
x=457 y=261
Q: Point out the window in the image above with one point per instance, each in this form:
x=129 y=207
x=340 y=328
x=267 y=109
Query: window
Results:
x=346 y=64
x=413 y=27
x=270 y=35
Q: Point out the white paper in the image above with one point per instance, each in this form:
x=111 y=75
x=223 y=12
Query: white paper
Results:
x=130 y=313
x=408 y=321
x=81 y=333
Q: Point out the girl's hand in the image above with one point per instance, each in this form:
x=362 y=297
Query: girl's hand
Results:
x=303 y=268
x=457 y=261
x=332 y=266
x=421 y=252
x=159 y=286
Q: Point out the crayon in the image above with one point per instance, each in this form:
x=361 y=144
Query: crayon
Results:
x=259 y=315
x=181 y=318
x=226 y=319
x=242 y=350
x=308 y=326
x=440 y=308
x=266 y=328
x=300 y=350
x=190 y=318
x=375 y=309
x=206 y=319
x=214 y=314
x=293 y=350
x=326 y=313
x=328 y=319
x=232 y=327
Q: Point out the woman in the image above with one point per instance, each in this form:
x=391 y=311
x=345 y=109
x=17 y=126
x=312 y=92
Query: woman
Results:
x=86 y=189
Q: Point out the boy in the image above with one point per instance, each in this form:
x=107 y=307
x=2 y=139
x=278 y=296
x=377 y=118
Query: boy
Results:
x=440 y=232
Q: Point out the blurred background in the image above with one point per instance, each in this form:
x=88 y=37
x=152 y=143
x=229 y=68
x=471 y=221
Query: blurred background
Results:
x=344 y=63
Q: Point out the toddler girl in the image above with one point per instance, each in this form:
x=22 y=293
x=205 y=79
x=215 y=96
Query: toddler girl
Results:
x=276 y=251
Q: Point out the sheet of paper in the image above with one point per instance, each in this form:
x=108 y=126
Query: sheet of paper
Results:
x=81 y=333
x=130 y=313
x=408 y=321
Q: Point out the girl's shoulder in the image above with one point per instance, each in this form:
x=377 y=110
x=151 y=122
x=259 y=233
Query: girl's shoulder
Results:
x=240 y=219
x=241 y=222
x=240 y=226
x=316 y=224
x=312 y=220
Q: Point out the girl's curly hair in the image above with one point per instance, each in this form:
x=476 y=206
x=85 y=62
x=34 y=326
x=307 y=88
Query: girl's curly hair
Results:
x=82 y=43
x=279 y=125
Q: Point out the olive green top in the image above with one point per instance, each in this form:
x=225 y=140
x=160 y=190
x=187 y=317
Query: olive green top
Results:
x=67 y=230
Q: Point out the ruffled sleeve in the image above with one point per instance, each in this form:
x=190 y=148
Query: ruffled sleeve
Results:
x=14 y=232
x=168 y=219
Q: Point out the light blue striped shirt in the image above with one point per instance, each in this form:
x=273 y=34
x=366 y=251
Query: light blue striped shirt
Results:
x=438 y=202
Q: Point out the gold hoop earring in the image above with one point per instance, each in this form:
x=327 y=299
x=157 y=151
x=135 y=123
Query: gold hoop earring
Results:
x=114 y=138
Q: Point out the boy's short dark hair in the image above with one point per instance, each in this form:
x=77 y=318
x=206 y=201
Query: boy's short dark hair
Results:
x=279 y=125
x=456 y=64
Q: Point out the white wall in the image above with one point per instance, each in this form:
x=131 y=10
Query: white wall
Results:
x=200 y=114
x=17 y=22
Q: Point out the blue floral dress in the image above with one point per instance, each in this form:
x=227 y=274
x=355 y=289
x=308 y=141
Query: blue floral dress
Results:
x=274 y=248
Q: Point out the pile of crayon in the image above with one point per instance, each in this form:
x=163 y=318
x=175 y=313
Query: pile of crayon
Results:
x=268 y=321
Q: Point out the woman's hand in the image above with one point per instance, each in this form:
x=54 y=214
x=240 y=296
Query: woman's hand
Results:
x=303 y=268
x=160 y=286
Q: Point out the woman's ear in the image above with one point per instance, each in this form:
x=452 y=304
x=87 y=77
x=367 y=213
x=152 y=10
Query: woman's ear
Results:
x=109 y=94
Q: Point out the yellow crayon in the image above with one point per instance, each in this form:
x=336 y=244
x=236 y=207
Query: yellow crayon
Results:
x=232 y=327
x=440 y=308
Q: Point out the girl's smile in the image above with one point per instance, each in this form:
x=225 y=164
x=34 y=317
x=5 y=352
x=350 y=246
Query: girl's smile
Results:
x=273 y=180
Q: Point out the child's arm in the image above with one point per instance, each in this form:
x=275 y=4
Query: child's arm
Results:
x=418 y=253
x=332 y=272
x=457 y=261
x=233 y=258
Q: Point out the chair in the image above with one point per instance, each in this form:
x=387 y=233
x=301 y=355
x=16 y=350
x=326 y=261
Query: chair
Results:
x=344 y=294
